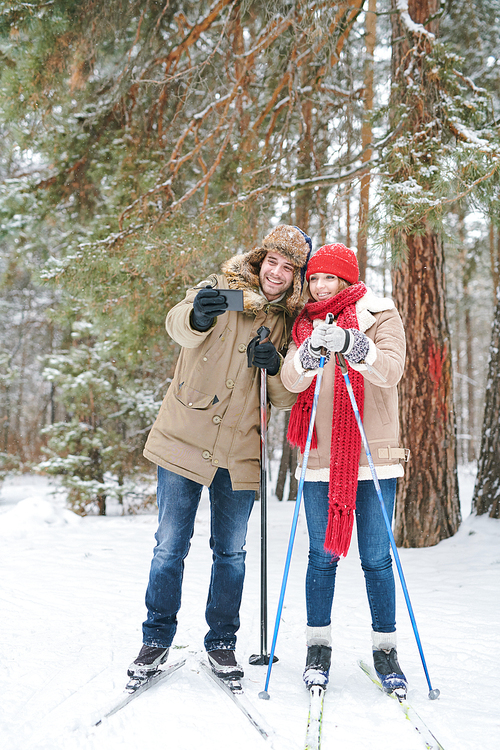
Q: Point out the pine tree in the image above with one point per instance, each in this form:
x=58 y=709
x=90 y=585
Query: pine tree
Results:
x=96 y=450
x=427 y=506
x=474 y=31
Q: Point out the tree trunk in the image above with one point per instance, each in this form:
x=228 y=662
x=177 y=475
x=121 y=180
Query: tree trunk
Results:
x=366 y=138
x=304 y=200
x=288 y=464
x=468 y=413
x=427 y=506
x=471 y=391
x=486 y=497
x=495 y=258
x=293 y=485
x=427 y=502
x=303 y=205
x=284 y=467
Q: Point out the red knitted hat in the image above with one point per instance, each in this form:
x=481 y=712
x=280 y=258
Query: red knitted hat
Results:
x=336 y=259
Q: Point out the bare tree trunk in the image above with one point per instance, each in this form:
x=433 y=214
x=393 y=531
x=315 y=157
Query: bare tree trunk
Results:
x=486 y=497
x=467 y=267
x=22 y=448
x=348 y=214
x=366 y=138
x=459 y=388
x=6 y=419
x=292 y=489
x=283 y=470
x=495 y=259
x=96 y=472
x=302 y=213
x=288 y=464
x=471 y=391
x=305 y=197
x=427 y=507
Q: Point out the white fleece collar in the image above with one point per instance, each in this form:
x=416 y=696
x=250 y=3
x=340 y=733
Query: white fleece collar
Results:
x=368 y=304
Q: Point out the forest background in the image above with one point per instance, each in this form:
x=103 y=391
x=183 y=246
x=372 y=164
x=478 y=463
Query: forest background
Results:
x=143 y=142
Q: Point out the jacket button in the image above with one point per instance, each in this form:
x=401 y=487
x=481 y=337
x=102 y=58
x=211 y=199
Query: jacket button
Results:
x=206 y=454
x=242 y=348
x=215 y=461
x=230 y=383
x=217 y=419
x=205 y=359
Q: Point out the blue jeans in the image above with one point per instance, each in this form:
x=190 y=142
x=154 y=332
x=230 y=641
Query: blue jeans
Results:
x=374 y=552
x=178 y=499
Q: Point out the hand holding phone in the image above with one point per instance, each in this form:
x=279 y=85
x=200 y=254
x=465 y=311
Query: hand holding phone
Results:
x=207 y=305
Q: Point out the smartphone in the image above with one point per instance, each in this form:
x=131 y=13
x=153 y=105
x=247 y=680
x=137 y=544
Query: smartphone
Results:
x=234 y=298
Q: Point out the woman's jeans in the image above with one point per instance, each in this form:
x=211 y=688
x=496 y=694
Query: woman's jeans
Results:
x=178 y=499
x=374 y=553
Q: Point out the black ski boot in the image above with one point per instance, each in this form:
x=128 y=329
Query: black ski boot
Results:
x=389 y=672
x=317 y=665
x=148 y=661
x=224 y=665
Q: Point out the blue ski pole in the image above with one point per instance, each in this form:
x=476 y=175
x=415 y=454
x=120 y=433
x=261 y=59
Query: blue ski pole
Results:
x=264 y=694
x=433 y=694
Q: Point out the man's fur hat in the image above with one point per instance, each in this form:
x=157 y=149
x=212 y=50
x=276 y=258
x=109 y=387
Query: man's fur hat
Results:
x=242 y=271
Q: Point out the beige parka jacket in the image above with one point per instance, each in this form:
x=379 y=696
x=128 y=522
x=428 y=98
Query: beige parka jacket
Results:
x=210 y=416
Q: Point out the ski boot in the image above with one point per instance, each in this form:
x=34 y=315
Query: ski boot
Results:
x=389 y=672
x=146 y=665
x=224 y=665
x=317 y=667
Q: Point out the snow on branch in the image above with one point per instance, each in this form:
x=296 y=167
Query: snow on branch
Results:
x=411 y=26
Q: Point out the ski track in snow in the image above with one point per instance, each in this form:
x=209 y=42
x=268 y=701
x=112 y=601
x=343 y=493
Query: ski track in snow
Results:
x=72 y=603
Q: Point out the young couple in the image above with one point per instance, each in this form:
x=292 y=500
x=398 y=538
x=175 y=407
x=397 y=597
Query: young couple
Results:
x=207 y=433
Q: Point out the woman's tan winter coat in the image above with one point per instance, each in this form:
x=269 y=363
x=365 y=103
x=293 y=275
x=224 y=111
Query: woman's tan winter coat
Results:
x=381 y=322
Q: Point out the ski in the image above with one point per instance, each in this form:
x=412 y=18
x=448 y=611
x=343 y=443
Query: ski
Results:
x=315 y=718
x=135 y=688
x=234 y=690
x=431 y=743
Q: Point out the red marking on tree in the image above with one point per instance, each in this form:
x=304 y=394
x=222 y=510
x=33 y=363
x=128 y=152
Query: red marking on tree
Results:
x=436 y=359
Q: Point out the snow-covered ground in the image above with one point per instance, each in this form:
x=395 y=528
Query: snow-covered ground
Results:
x=71 y=607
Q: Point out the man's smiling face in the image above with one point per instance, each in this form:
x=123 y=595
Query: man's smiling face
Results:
x=276 y=275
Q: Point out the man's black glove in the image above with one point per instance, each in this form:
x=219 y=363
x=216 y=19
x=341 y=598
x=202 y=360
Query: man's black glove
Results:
x=207 y=305
x=266 y=357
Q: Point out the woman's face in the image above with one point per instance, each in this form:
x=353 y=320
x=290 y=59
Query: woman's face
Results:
x=323 y=286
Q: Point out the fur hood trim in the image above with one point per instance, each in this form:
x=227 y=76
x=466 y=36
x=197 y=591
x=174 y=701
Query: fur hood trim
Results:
x=242 y=271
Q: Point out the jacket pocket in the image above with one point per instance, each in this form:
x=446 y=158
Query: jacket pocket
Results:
x=216 y=343
x=382 y=403
x=192 y=398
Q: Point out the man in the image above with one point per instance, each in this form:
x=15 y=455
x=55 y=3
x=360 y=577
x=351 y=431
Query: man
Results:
x=207 y=434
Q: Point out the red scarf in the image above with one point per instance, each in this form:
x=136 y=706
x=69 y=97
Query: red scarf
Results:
x=346 y=439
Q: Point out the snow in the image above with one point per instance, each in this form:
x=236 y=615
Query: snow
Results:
x=72 y=593
x=414 y=28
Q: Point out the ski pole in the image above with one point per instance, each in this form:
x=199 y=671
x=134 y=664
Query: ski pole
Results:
x=263 y=657
x=264 y=693
x=433 y=693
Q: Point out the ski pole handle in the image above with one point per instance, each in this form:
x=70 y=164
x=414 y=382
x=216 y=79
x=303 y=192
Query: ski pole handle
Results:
x=263 y=333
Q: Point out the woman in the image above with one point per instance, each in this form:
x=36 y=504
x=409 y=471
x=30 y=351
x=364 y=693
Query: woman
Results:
x=343 y=316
